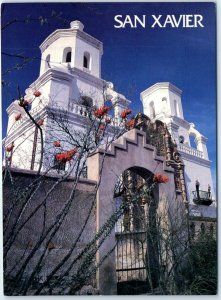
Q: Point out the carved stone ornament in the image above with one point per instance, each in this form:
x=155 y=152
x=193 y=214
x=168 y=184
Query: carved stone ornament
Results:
x=158 y=136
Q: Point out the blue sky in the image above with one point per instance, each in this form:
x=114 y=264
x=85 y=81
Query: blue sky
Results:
x=133 y=58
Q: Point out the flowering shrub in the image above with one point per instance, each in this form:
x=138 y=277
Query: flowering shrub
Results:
x=130 y=124
x=40 y=122
x=66 y=156
x=37 y=94
x=10 y=147
x=57 y=144
x=102 y=111
x=159 y=178
x=18 y=117
x=125 y=113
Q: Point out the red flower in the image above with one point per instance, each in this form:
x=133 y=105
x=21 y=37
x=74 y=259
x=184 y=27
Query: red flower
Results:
x=10 y=147
x=66 y=156
x=102 y=111
x=60 y=157
x=37 y=94
x=71 y=153
x=125 y=113
x=18 y=117
x=159 y=178
x=130 y=124
x=57 y=144
x=40 y=122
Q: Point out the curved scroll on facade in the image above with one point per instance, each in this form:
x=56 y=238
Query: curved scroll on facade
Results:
x=158 y=136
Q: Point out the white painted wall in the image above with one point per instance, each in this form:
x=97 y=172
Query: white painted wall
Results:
x=95 y=57
x=22 y=152
x=172 y=98
x=87 y=88
x=56 y=50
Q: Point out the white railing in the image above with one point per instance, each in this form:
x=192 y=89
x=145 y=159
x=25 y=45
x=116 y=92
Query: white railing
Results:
x=79 y=109
x=190 y=150
x=83 y=111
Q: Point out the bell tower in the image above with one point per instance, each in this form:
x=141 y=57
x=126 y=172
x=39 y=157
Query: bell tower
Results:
x=70 y=69
x=69 y=82
x=74 y=48
x=162 y=100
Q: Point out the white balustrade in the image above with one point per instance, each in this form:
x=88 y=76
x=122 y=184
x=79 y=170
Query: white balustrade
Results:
x=83 y=111
x=190 y=150
x=79 y=109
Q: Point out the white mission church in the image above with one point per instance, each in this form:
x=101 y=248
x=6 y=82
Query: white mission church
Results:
x=71 y=70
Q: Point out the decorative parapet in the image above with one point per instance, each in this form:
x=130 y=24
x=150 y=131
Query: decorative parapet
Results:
x=78 y=109
x=161 y=85
x=71 y=32
x=83 y=111
x=132 y=137
x=189 y=150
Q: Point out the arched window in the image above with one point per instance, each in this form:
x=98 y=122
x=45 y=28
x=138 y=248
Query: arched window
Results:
x=86 y=101
x=181 y=139
x=192 y=140
x=47 y=62
x=87 y=62
x=66 y=55
x=152 y=110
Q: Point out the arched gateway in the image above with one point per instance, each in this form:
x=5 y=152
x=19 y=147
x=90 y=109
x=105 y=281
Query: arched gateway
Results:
x=147 y=147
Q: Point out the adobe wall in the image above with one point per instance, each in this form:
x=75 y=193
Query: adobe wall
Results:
x=66 y=235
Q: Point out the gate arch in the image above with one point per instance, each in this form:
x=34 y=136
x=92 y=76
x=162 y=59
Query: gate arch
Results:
x=128 y=151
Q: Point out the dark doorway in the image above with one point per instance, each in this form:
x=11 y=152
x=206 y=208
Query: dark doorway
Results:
x=133 y=287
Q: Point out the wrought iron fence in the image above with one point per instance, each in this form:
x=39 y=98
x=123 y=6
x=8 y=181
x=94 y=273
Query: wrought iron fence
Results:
x=131 y=261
